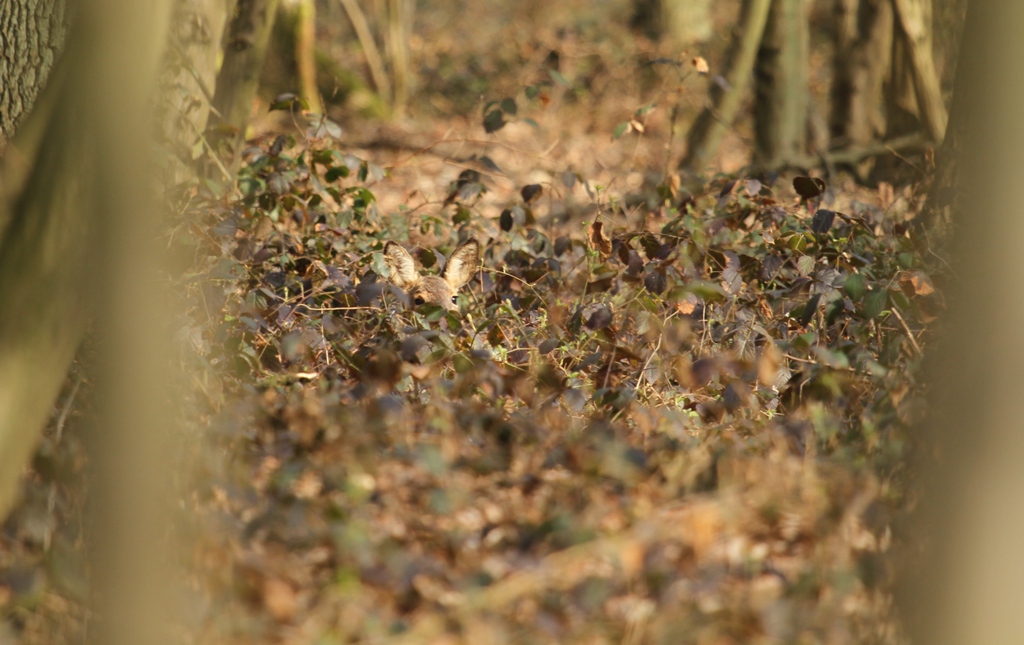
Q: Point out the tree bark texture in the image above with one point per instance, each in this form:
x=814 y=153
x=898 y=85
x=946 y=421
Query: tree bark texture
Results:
x=399 y=27
x=31 y=38
x=862 y=63
x=914 y=53
x=972 y=585
x=680 y=21
x=246 y=46
x=725 y=97
x=305 y=55
x=197 y=41
x=781 y=84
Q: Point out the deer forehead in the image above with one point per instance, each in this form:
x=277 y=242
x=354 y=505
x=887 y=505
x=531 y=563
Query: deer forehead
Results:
x=431 y=284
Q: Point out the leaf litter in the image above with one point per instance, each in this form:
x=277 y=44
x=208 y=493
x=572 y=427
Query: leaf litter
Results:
x=688 y=430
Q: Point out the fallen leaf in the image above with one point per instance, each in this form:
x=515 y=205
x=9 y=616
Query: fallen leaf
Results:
x=599 y=240
x=280 y=599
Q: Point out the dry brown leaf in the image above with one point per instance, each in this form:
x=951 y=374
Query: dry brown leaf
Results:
x=768 y=365
x=701 y=525
x=599 y=240
x=682 y=369
x=916 y=283
x=280 y=599
x=687 y=305
x=632 y=557
x=886 y=195
x=308 y=486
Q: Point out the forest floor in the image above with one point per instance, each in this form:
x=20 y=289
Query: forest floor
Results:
x=667 y=411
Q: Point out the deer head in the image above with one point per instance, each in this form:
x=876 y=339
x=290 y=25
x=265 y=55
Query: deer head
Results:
x=430 y=289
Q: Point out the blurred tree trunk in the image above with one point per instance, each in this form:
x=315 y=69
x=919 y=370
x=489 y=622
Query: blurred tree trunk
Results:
x=196 y=44
x=887 y=86
x=79 y=239
x=246 y=46
x=31 y=37
x=971 y=589
x=128 y=541
x=943 y=191
x=725 y=95
x=915 y=82
x=781 y=84
x=305 y=55
x=681 y=21
x=862 y=62
x=44 y=284
x=399 y=16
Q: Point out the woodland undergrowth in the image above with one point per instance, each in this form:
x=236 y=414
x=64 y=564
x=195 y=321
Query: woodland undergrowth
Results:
x=676 y=419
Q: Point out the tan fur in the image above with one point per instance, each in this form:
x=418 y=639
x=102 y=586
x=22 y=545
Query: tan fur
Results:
x=429 y=289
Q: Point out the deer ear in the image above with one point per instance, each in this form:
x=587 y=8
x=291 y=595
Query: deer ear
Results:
x=462 y=265
x=403 y=267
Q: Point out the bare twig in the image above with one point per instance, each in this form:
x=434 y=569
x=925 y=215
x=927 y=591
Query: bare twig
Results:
x=910 y=334
x=62 y=419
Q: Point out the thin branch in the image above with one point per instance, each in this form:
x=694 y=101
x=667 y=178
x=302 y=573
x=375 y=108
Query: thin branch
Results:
x=62 y=419
x=910 y=334
x=373 y=58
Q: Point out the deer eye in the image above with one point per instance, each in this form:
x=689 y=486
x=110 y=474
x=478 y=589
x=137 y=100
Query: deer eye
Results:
x=453 y=301
x=418 y=300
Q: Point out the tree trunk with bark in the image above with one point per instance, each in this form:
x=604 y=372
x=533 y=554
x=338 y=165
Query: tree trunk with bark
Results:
x=886 y=82
x=781 y=87
x=680 y=21
x=863 y=58
x=305 y=55
x=725 y=95
x=196 y=44
x=246 y=46
x=31 y=38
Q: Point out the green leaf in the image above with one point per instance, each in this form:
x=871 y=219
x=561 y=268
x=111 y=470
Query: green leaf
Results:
x=620 y=130
x=508 y=106
x=805 y=264
x=834 y=359
x=855 y=286
x=336 y=173
x=286 y=102
x=874 y=303
x=494 y=121
x=558 y=78
x=462 y=363
x=804 y=340
x=709 y=291
x=899 y=299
